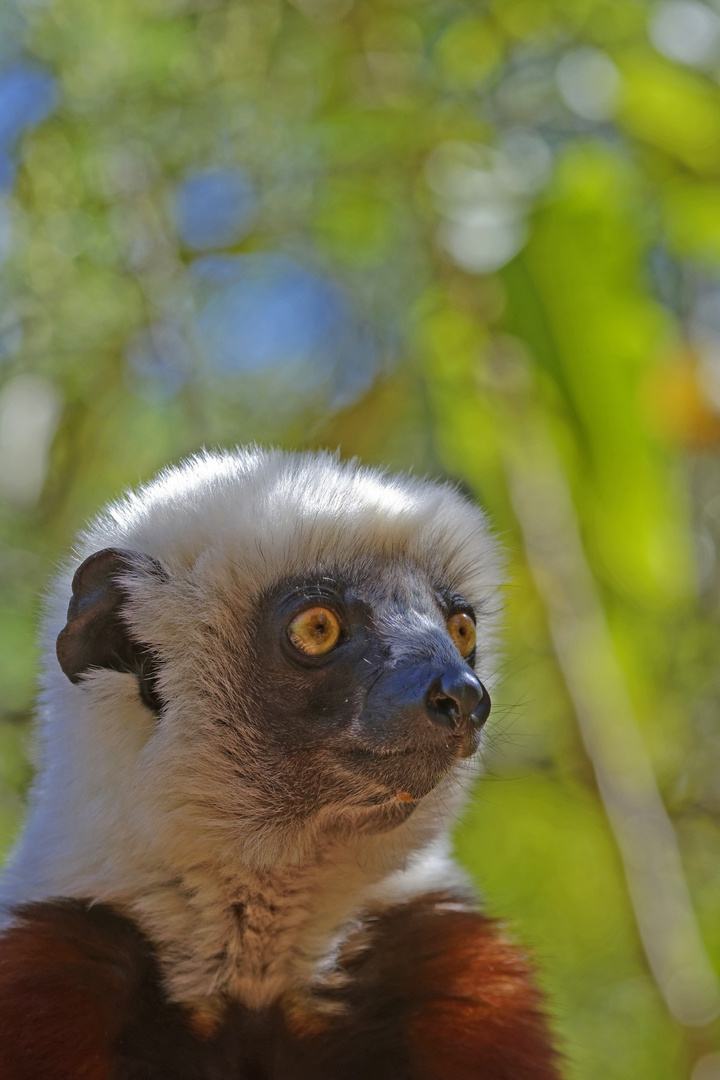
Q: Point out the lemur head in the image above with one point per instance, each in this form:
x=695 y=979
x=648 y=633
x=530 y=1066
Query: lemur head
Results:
x=262 y=648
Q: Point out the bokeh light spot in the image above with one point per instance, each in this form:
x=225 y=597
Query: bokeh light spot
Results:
x=686 y=31
x=589 y=83
x=29 y=412
x=269 y=311
x=214 y=208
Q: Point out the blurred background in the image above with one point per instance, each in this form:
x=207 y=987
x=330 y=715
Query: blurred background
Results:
x=476 y=239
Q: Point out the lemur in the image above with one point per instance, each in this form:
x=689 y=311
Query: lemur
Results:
x=260 y=715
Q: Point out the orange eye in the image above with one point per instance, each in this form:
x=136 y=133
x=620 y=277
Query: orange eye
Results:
x=315 y=631
x=461 y=629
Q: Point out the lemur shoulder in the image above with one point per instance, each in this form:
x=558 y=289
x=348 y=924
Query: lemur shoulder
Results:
x=260 y=716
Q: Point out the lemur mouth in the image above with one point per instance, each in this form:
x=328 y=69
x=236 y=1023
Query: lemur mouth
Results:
x=446 y=752
x=403 y=775
x=362 y=753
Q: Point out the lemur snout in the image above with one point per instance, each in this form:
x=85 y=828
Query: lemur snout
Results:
x=456 y=697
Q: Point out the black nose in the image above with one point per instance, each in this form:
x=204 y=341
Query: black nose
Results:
x=458 y=695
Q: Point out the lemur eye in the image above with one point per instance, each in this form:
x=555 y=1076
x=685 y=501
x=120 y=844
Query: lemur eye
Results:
x=315 y=631
x=461 y=629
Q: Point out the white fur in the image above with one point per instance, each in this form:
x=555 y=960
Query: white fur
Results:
x=144 y=815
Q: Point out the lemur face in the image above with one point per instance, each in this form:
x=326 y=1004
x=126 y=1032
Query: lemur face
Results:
x=307 y=640
x=359 y=680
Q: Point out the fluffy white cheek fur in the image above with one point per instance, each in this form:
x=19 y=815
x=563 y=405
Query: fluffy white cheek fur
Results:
x=89 y=804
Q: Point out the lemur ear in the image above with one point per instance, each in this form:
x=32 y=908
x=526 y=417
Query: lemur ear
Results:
x=96 y=635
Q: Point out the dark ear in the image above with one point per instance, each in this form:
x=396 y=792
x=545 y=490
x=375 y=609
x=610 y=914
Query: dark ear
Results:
x=96 y=635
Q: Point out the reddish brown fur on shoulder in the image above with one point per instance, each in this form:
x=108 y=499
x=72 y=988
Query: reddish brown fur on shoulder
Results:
x=469 y=1006
x=65 y=980
x=486 y=1021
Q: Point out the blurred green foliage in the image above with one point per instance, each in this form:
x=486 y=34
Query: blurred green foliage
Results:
x=437 y=234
